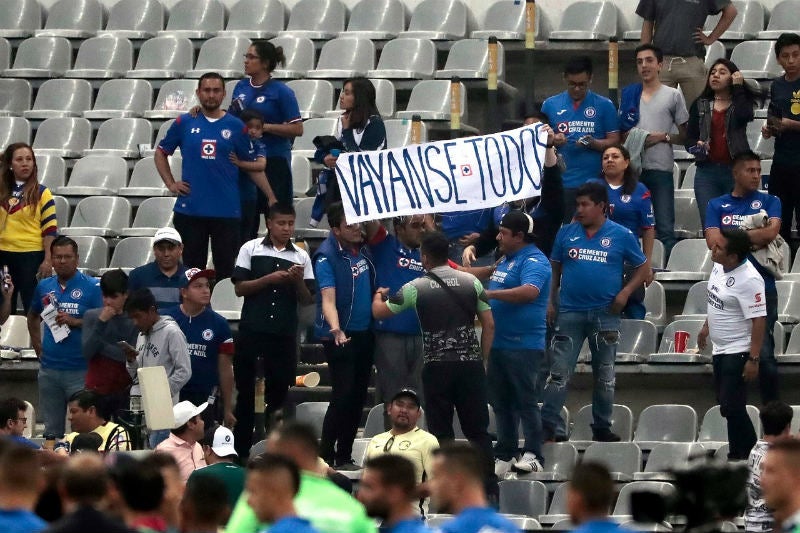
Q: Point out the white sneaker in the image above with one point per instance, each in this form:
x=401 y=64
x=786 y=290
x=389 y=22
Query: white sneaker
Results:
x=528 y=463
x=501 y=468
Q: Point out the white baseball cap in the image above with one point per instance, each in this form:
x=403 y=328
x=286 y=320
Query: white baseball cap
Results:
x=185 y=411
x=222 y=445
x=167 y=234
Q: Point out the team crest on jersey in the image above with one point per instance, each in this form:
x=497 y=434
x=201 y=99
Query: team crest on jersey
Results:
x=573 y=253
x=511 y=265
x=208 y=149
x=731 y=281
x=605 y=242
x=207 y=335
x=260 y=99
x=726 y=220
x=756 y=204
x=76 y=293
x=403 y=262
x=590 y=112
x=626 y=198
x=226 y=134
x=12 y=202
x=404 y=445
x=563 y=127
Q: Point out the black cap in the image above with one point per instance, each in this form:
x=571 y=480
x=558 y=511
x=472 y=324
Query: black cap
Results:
x=518 y=221
x=407 y=393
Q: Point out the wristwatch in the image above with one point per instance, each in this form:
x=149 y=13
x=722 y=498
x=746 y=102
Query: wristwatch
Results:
x=667 y=138
x=753 y=359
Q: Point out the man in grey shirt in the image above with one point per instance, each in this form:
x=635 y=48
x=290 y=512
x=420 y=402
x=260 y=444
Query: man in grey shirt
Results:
x=676 y=26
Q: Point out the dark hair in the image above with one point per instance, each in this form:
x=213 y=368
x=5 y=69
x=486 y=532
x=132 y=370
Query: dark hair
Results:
x=270 y=54
x=738 y=243
x=161 y=461
x=629 y=179
x=435 y=246
x=269 y=463
x=250 y=114
x=364 y=105
x=85 y=483
x=776 y=417
x=577 y=65
x=463 y=458
x=653 y=48
x=140 y=483
x=395 y=471
x=30 y=194
x=593 y=482
x=751 y=94
x=20 y=468
x=89 y=441
x=9 y=410
x=211 y=76
x=595 y=191
x=744 y=156
x=302 y=435
x=281 y=208
x=63 y=240
x=335 y=214
x=114 y=282
x=86 y=398
x=208 y=498
x=140 y=300
x=784 y=40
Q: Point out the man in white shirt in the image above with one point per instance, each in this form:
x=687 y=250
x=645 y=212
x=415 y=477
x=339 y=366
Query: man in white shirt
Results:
x=736 y=323
x=779 y=474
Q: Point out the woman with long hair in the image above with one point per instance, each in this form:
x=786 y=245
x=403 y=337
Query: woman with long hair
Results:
x=717 y=130
x=27 y=222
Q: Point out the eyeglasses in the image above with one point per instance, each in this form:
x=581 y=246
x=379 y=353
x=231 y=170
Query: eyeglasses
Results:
x=63 y=257
x=22 y=419
x=389 y=444
x=250 y=57
x=580 y=85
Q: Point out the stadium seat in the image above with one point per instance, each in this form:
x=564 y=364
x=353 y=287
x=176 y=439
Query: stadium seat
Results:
x=103 y=216
x=299 y=53
x=153 y=213
x=779 y=337
x=557 y=512
x=121 y=99
x=255 y=19
x=656 y=305
x=379 y=20
x=222 y=55
x=145 y=180
x=637 y=340
x=665 y=423
x=559 y=460
x=469 y=60
x=51 y=171
x=406 y=59
x=174 y=98
x=623 y=505
x=359 y=451
x=636 y=33
x=302 y=207
x=690 y=260
x=73 y=19
x=64 y=137
x=792 y=352
x=621 y=424
x=92 y=253
x=523 y=497
x=130 y=253
x=195 y=19
x=788 y=302
x=795 y=425
x=135 y=19
x=714 y=51
x=687 y=218
x=506 y=22
x=344 y=57
x=63 y=210
x=14 y=334
x=313 y=127
x=695 y=305
x=398 y=133
x=657 y=259
x=666 y=351
x=20 y=18
x=668 y=456
x=96 y=175
x=430 y=99
x=5 y=54
x=714 y=428
x=15 y=97
x=224 y=300
x=61 y=98
x=102 y=57
x=436 y=520
x=622 y=459
x=748 y=23
x=756 y=59
x=785 y=17
x=163 y=57
x=301 y=175
x=438 y=20
x=41 y=57
x=374 y=424
x=122 y=137
x=686 y=189
x=587 y=21
x=763 y=147
x=794 y=273
x=319 y=20
x=14 y=130
x=311 y=413
x=492 y=428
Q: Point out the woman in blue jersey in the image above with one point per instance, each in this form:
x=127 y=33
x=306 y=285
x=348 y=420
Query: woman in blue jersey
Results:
x=629 y=205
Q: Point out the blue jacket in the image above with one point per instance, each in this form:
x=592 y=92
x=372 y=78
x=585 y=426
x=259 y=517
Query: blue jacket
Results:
x=340 y=263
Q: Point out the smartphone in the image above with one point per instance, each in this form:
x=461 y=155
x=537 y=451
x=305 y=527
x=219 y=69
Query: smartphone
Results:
x=584 y=140
x=124 y=344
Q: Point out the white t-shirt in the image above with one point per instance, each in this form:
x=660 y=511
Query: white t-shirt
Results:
x=734 y=298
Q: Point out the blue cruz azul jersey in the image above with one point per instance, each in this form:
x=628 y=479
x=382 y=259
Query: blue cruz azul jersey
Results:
x=634 y=211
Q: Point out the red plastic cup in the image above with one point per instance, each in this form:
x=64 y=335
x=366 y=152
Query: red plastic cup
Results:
x=681 y=338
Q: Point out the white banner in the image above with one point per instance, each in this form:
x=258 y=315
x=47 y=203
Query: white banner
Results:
x=442 y=176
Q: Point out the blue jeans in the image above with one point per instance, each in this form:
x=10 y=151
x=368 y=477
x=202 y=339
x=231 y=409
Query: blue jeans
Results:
x=512 y=376
x=662 y=190
x=710 y=181
x=55 y=389
x=601 y=328
x=156 y=437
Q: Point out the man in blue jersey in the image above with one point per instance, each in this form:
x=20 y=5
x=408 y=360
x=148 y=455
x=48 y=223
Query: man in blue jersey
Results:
x=13 y=422
x=164 y=275
x=457 y=487
x=463 y=228
x=589 y=496
x=210 y=344
x=585 y=124
x=208 y=204
x=588 y=258
x=60 y=302
x=387 y=489
x=733 y=210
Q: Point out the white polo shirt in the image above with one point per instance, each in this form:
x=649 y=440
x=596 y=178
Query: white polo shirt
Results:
x=734 y=298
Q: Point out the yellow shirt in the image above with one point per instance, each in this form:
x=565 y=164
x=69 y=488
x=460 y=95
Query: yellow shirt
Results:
x=118 y=434
x=23 y=227
x=417 y=446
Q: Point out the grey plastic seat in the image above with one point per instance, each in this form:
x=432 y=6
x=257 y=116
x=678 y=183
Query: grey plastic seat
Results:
x=145 y=180
x=374 y=424
x=406 y=59
x=316 y=19
x=665 y=423
x=152 y=214
x=20 y=18
x=792 y=353
x=299 y=53
x=436 y=520
x=314 y=97
x=225 y=302
x=506 y=22
x=649 y=527
x=687 y=218
x=64 y=137
x=621 y=424
x=523 y=497
x=559 y=461
x=61 y=98
x=163 y=57
x=15 y=97
x=63 y=211
x=587 y=21
x=623 y=505
x=695 y=305
x=14 y=130
x=785 y=17
x=302 y=207
x=255 y=19
x=788 y=301
x=130 y=253
x=657 y=259
x=714 y=51
x=378 y=20
x=311 y=413
x=162 y=132
x=73 y=19
x=714 y=428
x=121 y=99
x=41 y=57
x=174 y=98
x=313 y=127
x=492 y=428
x=469 y=59
x=398 y=133
x=748 y=23
x=222 y=55
x=104 y=216
x=438 y=20
x=557 y=512
x=51 y=171
x=763 y=147
x=623 y=459
x=668 y=456
x=756 y=59
x=195 y=19
x=301 y=175
x=344 y=57
x=135 y=19
x=637 y=340
x=655 y=301
x=102 y=57
x=636 y=33
x=122 y=137
x=92 y=253
x=666 y=351
x=96 y=175
x=5 y=53
x=15 y=334
x=795 y=425
x=430 y=99
x=687 y=186
x=690 y=260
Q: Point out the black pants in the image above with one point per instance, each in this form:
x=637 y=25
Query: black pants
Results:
x=279 y=353
x=195 y=232
x=350 y=366
x=248 y=230
x=768 y=382
x=211 y=416
x=279 y=175
x=22 y=266
x=731 y=392
x=783 y=184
